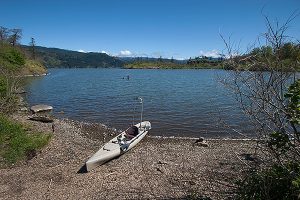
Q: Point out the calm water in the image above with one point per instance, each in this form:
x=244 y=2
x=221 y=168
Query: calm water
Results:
x=188 y=103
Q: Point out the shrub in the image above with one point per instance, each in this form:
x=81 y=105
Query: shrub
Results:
x=277 y=182
x=11 y=58
x=3 y=86
x=16 y=143
x=8 y=100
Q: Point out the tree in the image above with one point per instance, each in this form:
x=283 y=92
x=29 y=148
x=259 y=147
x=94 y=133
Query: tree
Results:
x=32 y=48
x=261 y=93
x=15 y=36
x=160 y=59
x=3 y=34
x=270 y=97
x=172 y=60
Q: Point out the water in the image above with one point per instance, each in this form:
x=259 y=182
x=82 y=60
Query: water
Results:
x=187 y=103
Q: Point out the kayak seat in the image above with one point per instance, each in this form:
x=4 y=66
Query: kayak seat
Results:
x=131 y=132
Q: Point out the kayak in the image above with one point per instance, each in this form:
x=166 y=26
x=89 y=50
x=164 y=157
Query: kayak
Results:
x=119 y=145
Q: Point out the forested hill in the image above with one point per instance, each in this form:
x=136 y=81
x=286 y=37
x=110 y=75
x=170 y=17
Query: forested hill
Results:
x=54 y=57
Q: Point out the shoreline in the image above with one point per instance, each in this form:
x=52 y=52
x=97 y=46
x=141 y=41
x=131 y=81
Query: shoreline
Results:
x=159 y=168
x=35 y=75
x=32 y=75
x=196 y=138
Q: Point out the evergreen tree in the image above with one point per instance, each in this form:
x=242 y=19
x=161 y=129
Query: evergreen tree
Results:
x=32 y=47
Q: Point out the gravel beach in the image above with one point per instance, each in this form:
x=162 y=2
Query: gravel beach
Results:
x=157 y=168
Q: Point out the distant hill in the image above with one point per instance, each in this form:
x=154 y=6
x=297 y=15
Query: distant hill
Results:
x=54 y=57
x=149 y=59
x=164 y=63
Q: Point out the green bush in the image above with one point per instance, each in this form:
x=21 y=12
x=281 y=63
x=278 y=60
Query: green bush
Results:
x=11 y=58
x=16 y=143
x=277 y=182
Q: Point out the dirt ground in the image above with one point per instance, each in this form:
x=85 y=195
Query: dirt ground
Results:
x=157 y=168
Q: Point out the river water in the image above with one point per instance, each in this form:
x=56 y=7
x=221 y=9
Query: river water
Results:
x=185 y=103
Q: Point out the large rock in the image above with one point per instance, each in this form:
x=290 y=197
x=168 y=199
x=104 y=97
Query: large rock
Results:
x=43 y=119
x=201 y=142
x=41 y=108
x=201 y=139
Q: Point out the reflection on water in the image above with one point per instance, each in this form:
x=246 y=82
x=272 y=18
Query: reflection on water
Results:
x=188 y=103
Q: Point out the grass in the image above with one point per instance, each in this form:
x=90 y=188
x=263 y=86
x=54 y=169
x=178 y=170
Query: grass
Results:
x=33 y=67
x=16 y=143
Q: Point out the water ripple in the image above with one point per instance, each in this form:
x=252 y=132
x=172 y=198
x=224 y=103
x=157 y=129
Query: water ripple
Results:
x=178 y=102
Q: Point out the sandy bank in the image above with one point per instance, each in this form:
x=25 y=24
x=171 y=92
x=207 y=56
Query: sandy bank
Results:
x=158 y=168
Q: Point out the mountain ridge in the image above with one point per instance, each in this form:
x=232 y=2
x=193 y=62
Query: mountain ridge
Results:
x=56 y=57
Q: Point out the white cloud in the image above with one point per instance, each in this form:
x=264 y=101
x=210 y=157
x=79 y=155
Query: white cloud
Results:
x=213 y=53
x=104 y=52
x=81 y=51
x=125 y=53
x=181 y=58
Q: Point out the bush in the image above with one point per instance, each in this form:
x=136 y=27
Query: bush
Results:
x=3 y=86
x=8 y=104
x=16 y=143
x=277 y=182
x=11 y=58
x=8 y=100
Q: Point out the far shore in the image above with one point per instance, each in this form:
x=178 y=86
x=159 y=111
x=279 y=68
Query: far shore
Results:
x=158 y=168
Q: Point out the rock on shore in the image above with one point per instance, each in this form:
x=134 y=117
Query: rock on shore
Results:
x=41 y=108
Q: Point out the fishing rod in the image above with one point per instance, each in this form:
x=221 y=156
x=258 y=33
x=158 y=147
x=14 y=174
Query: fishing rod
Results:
x=142 y=102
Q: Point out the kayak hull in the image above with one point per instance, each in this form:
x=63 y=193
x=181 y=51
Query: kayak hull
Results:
x=115 y=148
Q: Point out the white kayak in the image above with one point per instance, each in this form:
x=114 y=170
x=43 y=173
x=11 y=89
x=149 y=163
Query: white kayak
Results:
x=118 y=145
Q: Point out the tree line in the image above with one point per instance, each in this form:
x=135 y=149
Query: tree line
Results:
x=286 y=56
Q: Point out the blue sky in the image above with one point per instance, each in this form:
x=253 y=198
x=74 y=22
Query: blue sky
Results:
x=178 y=28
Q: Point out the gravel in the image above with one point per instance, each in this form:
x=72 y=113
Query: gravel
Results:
x=157 y=168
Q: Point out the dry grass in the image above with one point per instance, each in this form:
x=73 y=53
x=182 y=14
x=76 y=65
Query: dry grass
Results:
x=33 y=68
